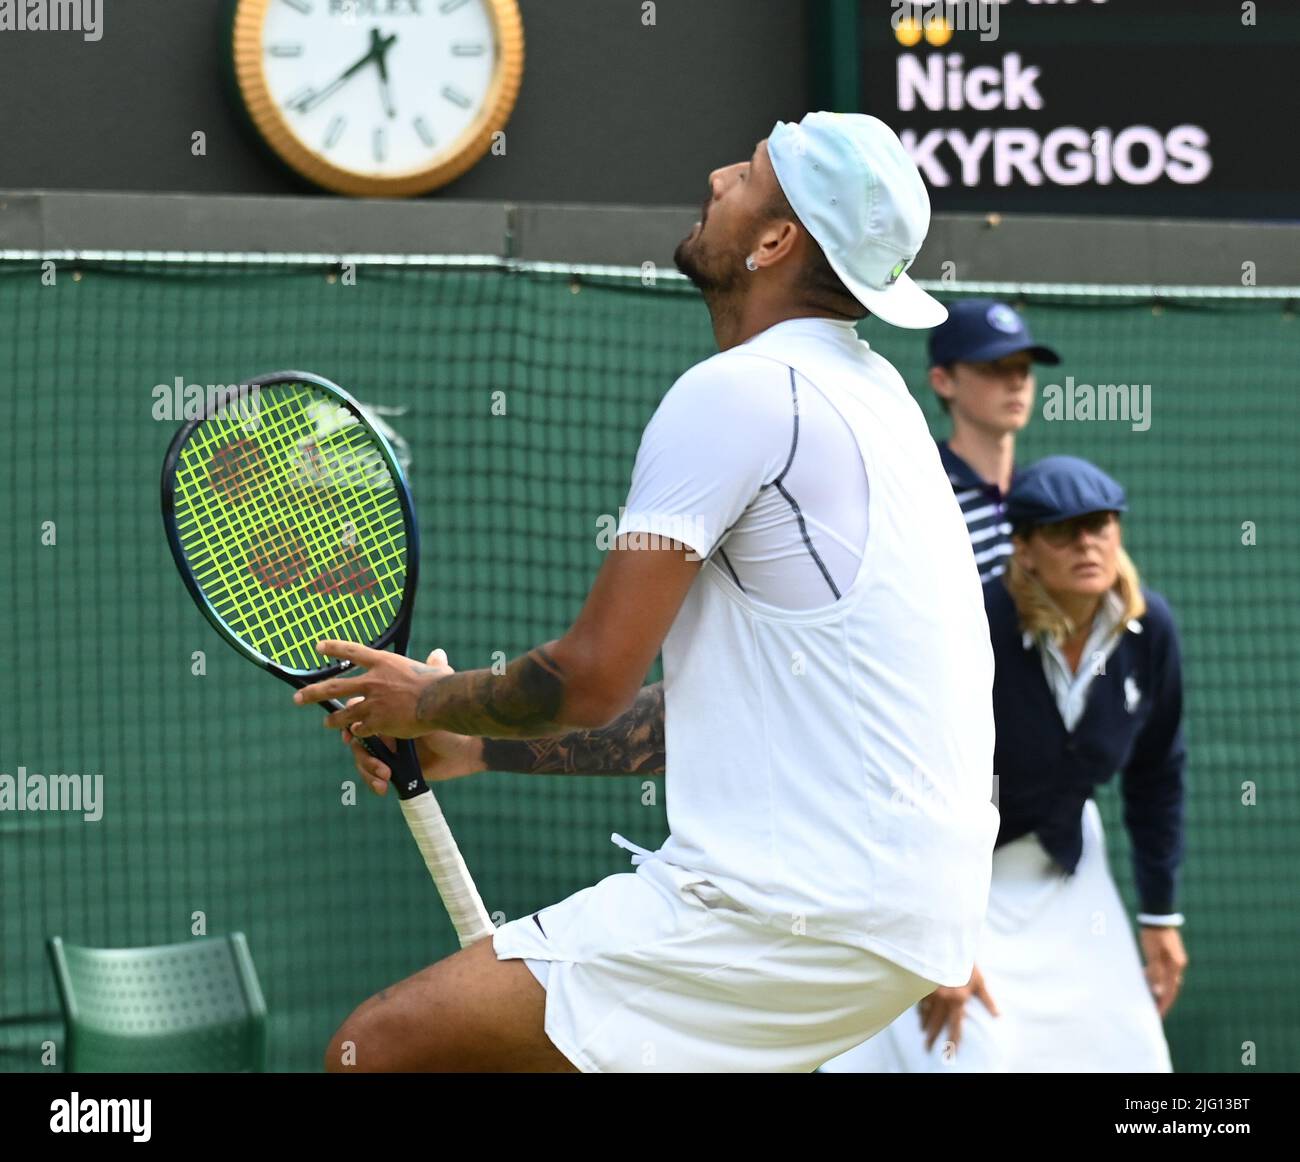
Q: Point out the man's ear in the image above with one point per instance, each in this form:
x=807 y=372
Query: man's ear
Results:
x=942 y=382
x=777 y=239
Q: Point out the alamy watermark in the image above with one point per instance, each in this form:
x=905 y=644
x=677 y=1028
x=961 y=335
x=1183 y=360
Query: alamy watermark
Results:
x=102 y=1115
x=31 y=791
x=650 y=530
x=959 y=15
x=179 y=400
x=1127 y=403
x=83 y=16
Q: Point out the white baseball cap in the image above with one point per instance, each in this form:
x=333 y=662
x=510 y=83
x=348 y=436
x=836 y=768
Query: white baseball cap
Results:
x=859 y=194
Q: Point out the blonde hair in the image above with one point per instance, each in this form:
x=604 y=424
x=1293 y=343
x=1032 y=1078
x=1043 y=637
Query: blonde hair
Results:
x=1039 y=614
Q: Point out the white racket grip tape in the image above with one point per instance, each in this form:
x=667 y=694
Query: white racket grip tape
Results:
x=447 y=866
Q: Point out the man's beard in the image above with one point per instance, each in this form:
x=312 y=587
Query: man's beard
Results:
x=716 y=275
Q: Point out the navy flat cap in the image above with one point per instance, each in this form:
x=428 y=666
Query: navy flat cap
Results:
x=1061 y=488
x=982 y=330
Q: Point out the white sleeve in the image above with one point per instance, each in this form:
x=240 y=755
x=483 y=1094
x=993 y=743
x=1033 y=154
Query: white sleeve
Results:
x=724 y=430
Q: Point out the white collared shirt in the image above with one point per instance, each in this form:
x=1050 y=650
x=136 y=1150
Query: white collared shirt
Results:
x=1070 y=687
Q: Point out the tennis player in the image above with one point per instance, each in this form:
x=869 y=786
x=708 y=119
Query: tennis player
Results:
x=1088 y=683
x=825 y=720
x=981 y=368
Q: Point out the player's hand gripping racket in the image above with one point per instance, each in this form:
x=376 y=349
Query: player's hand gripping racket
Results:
x=291 y=522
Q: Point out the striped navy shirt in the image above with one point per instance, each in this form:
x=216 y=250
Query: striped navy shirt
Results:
x=984 y=507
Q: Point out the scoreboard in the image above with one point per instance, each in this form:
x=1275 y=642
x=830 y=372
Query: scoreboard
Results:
x=1145 y=107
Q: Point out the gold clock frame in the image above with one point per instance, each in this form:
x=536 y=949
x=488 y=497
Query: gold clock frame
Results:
x=464 y=153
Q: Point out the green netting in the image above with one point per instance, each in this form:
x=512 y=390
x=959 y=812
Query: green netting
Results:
x=521 y=396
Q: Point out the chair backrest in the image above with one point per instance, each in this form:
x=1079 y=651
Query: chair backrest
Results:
x=179 y=1008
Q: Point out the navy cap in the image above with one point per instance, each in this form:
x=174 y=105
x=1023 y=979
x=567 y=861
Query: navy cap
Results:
x=981 y=330
x=1061 y=488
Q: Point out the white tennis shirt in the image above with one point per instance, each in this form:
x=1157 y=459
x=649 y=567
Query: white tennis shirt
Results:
x=828 y=679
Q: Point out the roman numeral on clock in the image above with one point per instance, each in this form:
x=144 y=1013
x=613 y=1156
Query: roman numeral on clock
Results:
x=456 y=97
x=335 y=131
x=426 y=134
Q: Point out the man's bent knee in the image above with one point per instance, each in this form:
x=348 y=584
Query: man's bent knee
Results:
x=360 y=1046
x=469 y=1012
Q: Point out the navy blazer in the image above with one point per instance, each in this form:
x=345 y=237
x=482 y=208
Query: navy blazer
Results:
x=1132 y=723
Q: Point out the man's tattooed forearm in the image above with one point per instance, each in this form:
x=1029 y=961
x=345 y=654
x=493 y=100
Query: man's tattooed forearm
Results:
x=632 y=744
x=531 y=693
x=522 y=702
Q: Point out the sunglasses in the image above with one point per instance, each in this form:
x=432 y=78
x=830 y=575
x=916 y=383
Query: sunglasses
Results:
x=1065 y=532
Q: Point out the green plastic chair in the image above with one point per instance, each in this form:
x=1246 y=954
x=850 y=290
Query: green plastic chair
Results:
x=178 y=1008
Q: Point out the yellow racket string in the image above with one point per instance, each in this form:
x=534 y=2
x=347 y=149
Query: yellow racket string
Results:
x=291 y=522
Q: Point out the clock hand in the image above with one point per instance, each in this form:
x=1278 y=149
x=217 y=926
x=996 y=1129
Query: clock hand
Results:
x=380 y=45
x=309 y=101
x=385 y=90
x=377 y=48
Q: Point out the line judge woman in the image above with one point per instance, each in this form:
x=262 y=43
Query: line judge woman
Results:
x=1088 y=682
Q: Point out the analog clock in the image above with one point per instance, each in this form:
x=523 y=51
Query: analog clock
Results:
x=378 y=97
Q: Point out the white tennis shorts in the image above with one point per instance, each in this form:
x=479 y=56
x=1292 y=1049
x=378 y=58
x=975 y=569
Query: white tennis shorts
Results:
x=657 y=971
x=1059 y=960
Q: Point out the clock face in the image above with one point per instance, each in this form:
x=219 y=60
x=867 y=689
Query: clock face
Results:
x=379 y=96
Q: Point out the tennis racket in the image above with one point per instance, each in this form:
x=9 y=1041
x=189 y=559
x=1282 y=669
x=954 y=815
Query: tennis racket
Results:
x=291 y=522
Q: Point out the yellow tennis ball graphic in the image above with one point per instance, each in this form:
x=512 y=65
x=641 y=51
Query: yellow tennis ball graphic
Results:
x=938 y=32
x=908 y=32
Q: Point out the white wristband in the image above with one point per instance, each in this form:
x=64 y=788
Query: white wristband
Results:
x=1174 y=920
